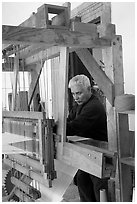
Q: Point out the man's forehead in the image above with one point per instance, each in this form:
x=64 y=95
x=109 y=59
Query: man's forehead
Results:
x=77 y=88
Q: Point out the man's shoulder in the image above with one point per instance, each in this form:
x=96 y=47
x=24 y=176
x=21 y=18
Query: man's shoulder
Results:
x=94 y=103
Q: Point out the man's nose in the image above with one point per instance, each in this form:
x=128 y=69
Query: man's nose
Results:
x=76 y=97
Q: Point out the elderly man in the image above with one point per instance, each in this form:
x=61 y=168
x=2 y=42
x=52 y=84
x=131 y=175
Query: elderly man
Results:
x=87 y=119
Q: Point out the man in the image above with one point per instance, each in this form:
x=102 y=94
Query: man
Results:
x=87 y=119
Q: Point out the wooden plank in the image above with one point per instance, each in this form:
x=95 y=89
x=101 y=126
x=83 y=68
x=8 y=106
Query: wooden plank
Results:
x=106 y=14
x=95 y=146
x=26 y=35
x=97 y=73
x=126 y=183
x=117 y=54
x=131 y=118
x=62 y=96
x=40 y=131
x=55 y=82
x=22 y=101
x=6 y=125
x=9 y=149
x=111 y=190
x=128 y=160
x=14 y=92
x=86 y=28
x=32 y=50
x=83 y=158
x=112 y=58
x=106 y=30
x=8 y=138
x=123 y=135
x=37 y=166
x=25 y=160
x=22 y=115
x=50 y=53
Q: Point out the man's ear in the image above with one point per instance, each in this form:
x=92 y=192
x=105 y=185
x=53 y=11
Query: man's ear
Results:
x=89 y=88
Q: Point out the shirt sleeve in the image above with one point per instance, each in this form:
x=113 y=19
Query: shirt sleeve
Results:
x=72 y=114
x=84 y=121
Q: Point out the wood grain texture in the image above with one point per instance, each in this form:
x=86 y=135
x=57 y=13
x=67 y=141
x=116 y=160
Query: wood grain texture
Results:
x=27 y=35
x=22 y=114
x=84 y=159
x=97 y=73
x=62 y=96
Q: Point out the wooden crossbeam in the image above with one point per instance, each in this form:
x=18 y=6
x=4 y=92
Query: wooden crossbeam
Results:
x=97 y=73
x=27 y=35
x=90 y=160
x=106 y=31
x=25 y=160
x=22 y=114
x=36 y=165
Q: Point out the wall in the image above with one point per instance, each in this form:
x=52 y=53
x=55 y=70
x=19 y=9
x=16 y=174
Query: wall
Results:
x=123 y=16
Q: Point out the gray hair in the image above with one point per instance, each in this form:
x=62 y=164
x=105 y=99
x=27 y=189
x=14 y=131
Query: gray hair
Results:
x=80 y=80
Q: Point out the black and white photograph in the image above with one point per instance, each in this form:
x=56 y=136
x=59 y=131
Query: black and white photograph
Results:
x=68 y=101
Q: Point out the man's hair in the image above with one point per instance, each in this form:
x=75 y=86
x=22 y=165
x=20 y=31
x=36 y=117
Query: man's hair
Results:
x=80 y=80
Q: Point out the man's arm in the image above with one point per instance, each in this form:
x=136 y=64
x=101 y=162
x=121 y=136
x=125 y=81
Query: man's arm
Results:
x=84 y=121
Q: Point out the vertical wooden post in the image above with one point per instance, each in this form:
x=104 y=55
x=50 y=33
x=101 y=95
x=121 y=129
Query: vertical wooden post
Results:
x=63 y=90
x=34 y=86
x=113 y=60
x=16 y=71
x=41 y=135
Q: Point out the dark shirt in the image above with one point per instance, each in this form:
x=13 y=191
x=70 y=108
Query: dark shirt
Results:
x=88 y=120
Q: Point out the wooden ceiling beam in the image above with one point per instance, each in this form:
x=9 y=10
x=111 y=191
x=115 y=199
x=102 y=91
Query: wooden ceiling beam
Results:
x=51 y=37
x=106 y=31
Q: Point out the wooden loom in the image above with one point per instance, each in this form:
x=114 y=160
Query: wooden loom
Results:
x=48 y=158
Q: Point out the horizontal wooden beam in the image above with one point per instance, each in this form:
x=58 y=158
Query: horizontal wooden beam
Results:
x=82 y=156
x=23 y=115
x=28 y=161
x=88 y=159
x=106 y=31
x=97 y=73
x=51 y=37
x=37 y=166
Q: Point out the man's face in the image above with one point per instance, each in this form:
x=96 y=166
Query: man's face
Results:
x=80 y=94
